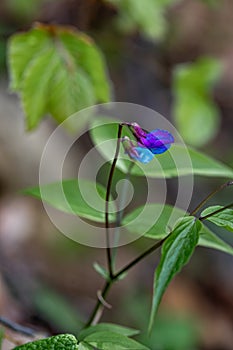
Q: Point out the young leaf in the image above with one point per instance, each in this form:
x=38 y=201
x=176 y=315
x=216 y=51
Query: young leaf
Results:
x=153 y=219
x=58 y=342
x=210 y=240
x=192 y=86
x=67 y=196
x=107 y=327
x=57 y=70
x=222 y=219
x=176 y=252
x=177 y=161
x=101 y=270
x=108 y=340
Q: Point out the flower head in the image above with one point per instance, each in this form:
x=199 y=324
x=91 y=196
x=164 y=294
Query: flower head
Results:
x=157 y=141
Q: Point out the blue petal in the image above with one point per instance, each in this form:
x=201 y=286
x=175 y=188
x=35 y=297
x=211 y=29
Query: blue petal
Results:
x=144 y=155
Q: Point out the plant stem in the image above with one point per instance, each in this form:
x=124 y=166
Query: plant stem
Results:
x=201 y=218
x=121 y=212
x=98 y=309
x=205 y=200
x=108 y=192
x=139 y=258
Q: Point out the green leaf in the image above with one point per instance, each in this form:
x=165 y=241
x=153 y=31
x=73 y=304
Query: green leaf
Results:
x=210 y=240
x=177 y=161
x=176 y=252
x=110 y=340
x=146 y=17
x=222 y=219
x=154 y=219
x=107 y=327
x=58 y=342
x=34 y=93
x=101 y=270
x=58 y=71
x=67 y=196
x=22 y=48
x=192 y=86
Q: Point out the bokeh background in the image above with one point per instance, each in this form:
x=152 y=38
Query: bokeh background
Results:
x=177 y=58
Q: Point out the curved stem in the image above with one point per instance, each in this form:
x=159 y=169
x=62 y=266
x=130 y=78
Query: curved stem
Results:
x=17 y=327
x=205 y=200
x=108 y=192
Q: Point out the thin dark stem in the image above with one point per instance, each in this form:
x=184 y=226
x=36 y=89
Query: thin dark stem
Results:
x=108 y=192
x=98 y=309
x=16 y=327
x=120 y=213
x=205 y=200
x=201 y=218
x=139 y=258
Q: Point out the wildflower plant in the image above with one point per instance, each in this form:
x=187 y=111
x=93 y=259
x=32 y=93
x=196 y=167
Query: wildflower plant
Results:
x=74 y=59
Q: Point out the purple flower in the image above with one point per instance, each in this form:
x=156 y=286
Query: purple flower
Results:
x=157 y=141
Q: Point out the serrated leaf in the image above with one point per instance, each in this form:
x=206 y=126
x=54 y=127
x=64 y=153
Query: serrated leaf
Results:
x=176 y=252
x=107 y=327
x=110 y=340
x=58 y=71
x=154 y=219
x=67 y=91
x=192 y=85
x=35 y=92
x=58 y=342
x=101 y=270
x=22 y=48
x=87 y=55
x=222 y=219
x=68 y=195
x=209 y=239
x=177 y=161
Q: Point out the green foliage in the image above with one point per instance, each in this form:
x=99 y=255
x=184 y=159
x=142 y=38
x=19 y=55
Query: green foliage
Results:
x=50 y=304
x=210 y=240
x=67 y=196
x=107 y=327
x=158 y=218
x=196 y=115
x=176 y=252
x=222 y=219
x=58 y=342
x=105 y=340
x=178 y=161
x=147 y=17
x=56 y=70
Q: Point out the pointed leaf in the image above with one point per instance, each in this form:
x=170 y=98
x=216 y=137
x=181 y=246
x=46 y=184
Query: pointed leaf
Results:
x=101 y=271
x=107 y=327
x=176 y=252
x=67 y=196
x=109 y=340
x=222 y=219
x=211 y=240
